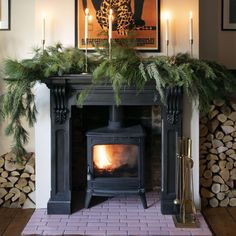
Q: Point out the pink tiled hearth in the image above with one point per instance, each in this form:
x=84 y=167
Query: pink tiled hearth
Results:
x=116 y=216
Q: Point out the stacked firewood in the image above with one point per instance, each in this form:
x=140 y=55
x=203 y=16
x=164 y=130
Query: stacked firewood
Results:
x=17 y=181
x=218 y=155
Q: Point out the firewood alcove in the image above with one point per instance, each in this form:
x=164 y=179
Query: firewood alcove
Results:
x=63 y=95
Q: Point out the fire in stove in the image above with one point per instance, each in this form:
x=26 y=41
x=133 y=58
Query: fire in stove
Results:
x=115 y=160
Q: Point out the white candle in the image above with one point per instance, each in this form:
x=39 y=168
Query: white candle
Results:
x=43 y=26
x=86 y=25
x=110 y=27
x=190 y=26
x=167 y=27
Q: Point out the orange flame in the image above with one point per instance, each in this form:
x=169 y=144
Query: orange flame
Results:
x=112 y=156
x=101 y=157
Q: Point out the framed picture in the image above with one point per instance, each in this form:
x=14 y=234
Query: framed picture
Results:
x=139 y=18
x=5 y=14
x=228 y=14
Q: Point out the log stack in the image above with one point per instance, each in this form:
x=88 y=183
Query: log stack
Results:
x=17 y=181
x=218 y=155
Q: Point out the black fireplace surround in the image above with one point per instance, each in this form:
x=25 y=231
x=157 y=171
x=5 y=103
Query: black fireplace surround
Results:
x=63 y=94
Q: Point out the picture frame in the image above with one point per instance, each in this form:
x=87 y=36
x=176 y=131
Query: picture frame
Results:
x=143 y=23
x=5 y=6
x=229 y=15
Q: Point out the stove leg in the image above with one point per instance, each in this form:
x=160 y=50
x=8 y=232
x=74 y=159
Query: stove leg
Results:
x=143 y=199
x=88 y=199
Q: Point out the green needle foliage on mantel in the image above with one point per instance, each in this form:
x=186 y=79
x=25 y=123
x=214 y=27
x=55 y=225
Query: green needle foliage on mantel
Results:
x=200 y=79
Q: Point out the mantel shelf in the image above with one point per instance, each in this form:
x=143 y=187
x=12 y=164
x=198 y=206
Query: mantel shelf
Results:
x=102 y=94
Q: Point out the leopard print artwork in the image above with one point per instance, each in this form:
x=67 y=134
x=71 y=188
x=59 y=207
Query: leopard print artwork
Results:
x=122 y=14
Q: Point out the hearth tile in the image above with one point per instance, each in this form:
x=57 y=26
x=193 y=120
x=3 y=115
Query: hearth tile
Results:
x=133 y=228
x=137 y=232
x=91 y=232
x=77 y=224
x=48 y=220
x=91 y=213
x=76 y=232
x=48 y=228
x=30 y=232
x=31 y=228
x=159 y=233
x=130 y=224
x=130 y=220
x=37 y=223
x=117 y=224
x=91 y=220
x=58 y=216
x=180 y=233
x=53 y=232
x=155 y=224
x=99 y=224
x=78 y=216
x=116 y=233
x=71 y=228
x=88 y=228
x=202 y=233
x=112 y=228
x=54 y=224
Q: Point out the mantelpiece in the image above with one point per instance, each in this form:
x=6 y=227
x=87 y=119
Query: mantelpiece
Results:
x=63 y=93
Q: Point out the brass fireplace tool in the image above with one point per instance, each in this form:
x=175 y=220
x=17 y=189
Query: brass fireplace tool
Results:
x=184 y=201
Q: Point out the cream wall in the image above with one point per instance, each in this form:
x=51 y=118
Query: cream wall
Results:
x=216 y=44
x=17 y=43
x=60 y=27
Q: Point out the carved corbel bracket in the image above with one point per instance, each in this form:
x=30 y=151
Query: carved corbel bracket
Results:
x=174 y=100
x=60 y=109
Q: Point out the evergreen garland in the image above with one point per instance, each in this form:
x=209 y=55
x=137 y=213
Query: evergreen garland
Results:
x=200 y=79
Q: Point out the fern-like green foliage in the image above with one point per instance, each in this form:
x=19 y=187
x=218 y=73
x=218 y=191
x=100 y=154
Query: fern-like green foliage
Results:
x=200 y=79
x=21 y=76
x=125 y=67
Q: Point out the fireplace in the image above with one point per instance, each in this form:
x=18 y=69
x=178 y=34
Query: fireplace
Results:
x=115 y=159
x=63 y=94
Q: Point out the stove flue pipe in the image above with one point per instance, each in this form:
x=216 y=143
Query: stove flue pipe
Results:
x=115 y=117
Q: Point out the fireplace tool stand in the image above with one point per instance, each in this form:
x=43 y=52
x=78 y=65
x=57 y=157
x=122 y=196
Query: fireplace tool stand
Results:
x=109 y=185
x=186 y=218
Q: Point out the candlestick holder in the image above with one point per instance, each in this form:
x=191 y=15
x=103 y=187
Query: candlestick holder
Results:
x=86 y=56
x=43 y=44
x=167 y=47
x=191 y=47
x=109 y=50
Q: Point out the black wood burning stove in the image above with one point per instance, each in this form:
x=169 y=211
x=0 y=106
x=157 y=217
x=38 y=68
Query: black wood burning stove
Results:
x=115 y=159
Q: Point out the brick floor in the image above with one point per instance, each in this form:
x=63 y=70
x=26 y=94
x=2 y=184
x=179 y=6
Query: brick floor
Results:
x=117 y=216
